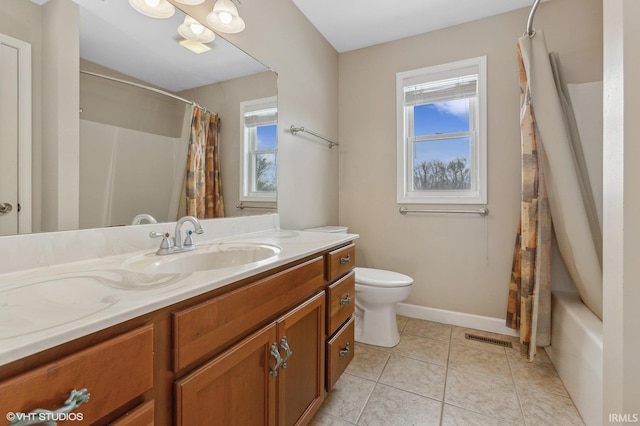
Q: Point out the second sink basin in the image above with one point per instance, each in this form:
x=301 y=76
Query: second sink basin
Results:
x=217 y=256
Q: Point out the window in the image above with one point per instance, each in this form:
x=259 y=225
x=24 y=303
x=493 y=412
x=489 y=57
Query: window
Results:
x=259 y=150
x=442 y=134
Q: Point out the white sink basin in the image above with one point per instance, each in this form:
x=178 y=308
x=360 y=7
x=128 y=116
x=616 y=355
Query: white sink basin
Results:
x=217 y=256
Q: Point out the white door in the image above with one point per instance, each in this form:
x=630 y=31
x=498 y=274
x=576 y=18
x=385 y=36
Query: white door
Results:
x=15 y=136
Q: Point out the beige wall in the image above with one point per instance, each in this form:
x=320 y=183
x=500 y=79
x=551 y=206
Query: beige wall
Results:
x=459 y=262
x=280 y=36
x=621 y=268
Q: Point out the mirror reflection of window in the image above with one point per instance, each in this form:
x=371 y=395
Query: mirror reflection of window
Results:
x=259 y=150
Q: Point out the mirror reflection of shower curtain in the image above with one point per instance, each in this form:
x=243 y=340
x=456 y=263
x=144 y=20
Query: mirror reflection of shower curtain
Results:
x=570 y=207
x=203 y=183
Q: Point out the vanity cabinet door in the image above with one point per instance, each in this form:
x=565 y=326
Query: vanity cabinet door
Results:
x=234 y=388
x=301 y=376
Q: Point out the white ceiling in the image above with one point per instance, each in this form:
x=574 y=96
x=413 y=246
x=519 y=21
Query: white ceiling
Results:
x=353 y=24
x=114 y=35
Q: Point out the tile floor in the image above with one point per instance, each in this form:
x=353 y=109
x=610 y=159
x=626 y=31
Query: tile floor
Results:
x=435 y=376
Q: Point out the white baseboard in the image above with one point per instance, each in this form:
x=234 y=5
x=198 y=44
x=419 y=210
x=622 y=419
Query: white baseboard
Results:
x=494 y=325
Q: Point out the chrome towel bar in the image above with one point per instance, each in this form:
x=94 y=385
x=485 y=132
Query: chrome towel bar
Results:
x=483 y=211
x=295 y=130
x=241 y=206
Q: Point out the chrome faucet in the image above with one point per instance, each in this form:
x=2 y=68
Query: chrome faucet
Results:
x=176 y=245
x=177 y=235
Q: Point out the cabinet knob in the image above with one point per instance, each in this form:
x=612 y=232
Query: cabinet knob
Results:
x=345 y=300
x=51 y=417
x=344 y=351
x=345 y=260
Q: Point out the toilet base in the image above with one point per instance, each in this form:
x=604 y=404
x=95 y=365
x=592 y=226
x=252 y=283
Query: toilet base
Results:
x=378 y=327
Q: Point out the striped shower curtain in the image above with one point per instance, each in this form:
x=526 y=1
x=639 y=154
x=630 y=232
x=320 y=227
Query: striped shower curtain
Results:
x=529 y=303
x=554 y=184
x=203 y=186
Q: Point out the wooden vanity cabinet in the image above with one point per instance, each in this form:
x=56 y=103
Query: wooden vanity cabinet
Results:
x=259 y=351
x=275 y=376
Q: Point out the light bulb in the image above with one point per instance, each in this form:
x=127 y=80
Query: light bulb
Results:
x=197 y=28
x=152 y=3
x=225 y=17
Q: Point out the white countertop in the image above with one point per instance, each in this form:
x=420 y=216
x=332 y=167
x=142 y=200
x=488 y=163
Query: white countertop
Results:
x=46 y=306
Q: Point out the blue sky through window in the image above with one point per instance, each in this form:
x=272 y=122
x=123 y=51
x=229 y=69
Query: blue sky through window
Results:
x=266 y=137
x=441 y=117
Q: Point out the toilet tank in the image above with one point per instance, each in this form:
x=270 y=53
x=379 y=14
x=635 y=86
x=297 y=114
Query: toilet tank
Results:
x=330 y=229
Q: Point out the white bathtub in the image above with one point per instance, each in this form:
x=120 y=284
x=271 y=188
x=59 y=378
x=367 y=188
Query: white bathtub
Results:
x=576 y=353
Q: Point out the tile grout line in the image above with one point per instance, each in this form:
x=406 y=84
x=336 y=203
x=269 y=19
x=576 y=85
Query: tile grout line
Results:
x=515 y=388
x=446 y=377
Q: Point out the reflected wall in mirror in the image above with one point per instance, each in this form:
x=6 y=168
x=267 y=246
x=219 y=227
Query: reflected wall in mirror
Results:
x=125 y=154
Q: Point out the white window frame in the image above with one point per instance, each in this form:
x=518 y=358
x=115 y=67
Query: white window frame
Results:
x=248 y=153
x=477 y=194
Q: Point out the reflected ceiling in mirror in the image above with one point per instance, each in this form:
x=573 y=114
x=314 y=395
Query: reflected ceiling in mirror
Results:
x=114 y=35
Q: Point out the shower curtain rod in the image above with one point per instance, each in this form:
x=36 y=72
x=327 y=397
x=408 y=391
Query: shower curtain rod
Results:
x=142 y=86
x=530 y=32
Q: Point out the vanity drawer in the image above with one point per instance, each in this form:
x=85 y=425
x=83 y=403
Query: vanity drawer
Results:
x=114 y=373
x=142 y=415
x=340 y=351
x=341 y=261
x=341 y=300
x=207 y=328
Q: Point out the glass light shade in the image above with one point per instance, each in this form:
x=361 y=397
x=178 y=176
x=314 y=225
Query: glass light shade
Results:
x=195 y=31
x=190 y=2
x=224 y=17
x=154 y=8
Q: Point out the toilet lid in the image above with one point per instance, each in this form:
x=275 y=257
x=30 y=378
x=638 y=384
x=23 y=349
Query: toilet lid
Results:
x=381 y=278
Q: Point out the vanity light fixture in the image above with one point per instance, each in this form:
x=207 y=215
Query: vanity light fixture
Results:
x=154 y=8
x=195 y=31
x=225 y=18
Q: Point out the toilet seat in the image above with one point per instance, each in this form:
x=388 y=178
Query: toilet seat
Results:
x=381 y=278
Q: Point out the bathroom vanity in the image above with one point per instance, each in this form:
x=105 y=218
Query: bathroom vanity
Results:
x=259 y=343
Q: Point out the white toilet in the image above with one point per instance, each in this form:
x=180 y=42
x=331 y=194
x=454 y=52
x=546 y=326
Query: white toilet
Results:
x=377 y=293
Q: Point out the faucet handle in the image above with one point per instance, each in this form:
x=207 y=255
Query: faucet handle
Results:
x=188 y=241
x=166 y=240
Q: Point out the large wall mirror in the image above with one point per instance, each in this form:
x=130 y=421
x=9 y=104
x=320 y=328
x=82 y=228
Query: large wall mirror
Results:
x=132 y=141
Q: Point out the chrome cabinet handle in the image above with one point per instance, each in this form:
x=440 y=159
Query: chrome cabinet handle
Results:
x=5 y=208
x=344 y=351
x=345 y=300
x=50 y=418
x=345 y=260
x=276 y=355
x=285 y=347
